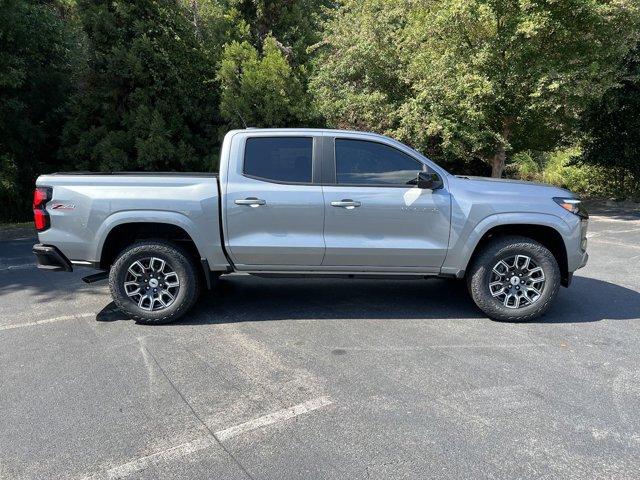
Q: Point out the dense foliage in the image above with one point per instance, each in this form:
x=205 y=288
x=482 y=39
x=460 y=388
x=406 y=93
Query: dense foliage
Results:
x=38 y=65
x=144 y=102
x=471 y=78
x=549 y=89
x=612 y=129
x=261 y=90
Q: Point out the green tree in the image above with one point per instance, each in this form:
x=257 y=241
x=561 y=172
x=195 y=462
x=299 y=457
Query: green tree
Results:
x=359 y=80
x=472 y=78
x=260 y=90
x=148 y=101
x=292 y=25
x=38 y=60
x=612 y=128
x=263 y=74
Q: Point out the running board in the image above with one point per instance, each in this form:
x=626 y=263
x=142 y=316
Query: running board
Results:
x=359 y=276
x=96 y=277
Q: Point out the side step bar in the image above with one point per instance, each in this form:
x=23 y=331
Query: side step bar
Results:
x=96 y=277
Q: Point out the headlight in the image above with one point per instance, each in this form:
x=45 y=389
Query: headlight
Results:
x=572 y=205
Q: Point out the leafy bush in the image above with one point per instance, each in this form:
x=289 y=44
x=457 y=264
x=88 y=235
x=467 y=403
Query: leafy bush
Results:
x=524 y=167
x=566 y=169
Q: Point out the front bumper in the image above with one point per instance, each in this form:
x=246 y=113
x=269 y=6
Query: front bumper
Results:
x=584 y=224
x=50 y=258
x=585 y=259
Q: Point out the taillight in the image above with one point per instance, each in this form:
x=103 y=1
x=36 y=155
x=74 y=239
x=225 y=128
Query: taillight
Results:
x=41 y=196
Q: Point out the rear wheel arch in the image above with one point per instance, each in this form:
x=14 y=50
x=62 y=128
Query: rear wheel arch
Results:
x=125 y=234
x=548 y=236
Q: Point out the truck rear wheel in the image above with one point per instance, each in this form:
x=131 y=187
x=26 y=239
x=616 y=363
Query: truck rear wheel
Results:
x=154 y=281
x=514 y=279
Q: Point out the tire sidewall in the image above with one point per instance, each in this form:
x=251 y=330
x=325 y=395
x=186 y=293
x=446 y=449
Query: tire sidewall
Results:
x=482 y=271
x=177 y=260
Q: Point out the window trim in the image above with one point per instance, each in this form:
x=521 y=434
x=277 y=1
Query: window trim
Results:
x=315 y=159
x=333 y=164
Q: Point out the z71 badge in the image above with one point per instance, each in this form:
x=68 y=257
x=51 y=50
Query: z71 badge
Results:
x=63 y=206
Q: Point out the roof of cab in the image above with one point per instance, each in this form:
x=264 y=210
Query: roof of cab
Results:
x=310 y=130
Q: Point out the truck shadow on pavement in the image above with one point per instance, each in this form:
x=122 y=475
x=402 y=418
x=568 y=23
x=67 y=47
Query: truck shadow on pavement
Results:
x=247 y=299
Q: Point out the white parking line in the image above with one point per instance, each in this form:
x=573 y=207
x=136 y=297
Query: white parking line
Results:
x=48 y=320
x=207 y=441
x=272 y=418
x=143 y=463
x=618 y=244
x=21 y=266
x=603 y=218
x=421 y=348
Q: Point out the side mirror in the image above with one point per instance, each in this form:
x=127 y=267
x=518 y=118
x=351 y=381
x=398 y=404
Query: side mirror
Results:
x=429 y=181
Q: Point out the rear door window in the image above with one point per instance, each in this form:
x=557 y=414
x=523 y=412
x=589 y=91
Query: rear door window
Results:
x=279 y=159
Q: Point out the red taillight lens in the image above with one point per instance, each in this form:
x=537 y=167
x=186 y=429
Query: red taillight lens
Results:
x=41 y=196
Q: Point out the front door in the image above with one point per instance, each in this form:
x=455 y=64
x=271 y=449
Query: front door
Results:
x=375 y=216
x=274 y=211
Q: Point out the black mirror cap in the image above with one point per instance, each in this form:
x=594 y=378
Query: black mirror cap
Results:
x=429 y=181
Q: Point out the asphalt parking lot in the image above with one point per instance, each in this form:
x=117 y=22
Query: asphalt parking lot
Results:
x=307 y=379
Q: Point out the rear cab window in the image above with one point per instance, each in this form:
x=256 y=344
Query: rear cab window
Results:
x=279 y=159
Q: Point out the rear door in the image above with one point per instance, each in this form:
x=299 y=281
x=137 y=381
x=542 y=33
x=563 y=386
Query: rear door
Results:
x=274 y=205
x=375 y=216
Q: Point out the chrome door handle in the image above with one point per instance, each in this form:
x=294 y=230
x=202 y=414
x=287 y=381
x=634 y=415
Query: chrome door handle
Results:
x=251 y=201
x=346 y=203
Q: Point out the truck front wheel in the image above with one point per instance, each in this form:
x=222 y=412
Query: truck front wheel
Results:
x=154 y=281
x=514 y=279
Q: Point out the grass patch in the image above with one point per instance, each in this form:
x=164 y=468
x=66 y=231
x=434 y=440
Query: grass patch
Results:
x=13 y=225
x=15 y=230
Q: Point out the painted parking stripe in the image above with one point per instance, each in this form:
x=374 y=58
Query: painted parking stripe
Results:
x=47 y=320
x=206 y=441
x=618 y=244
x=21 y=266
x=143 y=463
x=272 y=418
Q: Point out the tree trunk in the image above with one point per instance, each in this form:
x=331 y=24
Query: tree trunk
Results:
x=195 y=10
x=498 y=161
x=500 y=157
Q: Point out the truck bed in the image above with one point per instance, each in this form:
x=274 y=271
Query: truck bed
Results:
x=86 y=207
x=128 y=174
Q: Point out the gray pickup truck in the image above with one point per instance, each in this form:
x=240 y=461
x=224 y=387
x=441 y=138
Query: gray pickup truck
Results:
x=307 y=202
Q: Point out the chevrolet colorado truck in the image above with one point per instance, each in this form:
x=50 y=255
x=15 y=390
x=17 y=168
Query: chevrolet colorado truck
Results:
x=310 y=202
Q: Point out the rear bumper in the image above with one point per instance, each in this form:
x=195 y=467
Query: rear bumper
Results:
x=50 y=258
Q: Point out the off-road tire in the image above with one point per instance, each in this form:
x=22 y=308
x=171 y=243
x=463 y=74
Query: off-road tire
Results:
x=504 y=247
x=183 y=265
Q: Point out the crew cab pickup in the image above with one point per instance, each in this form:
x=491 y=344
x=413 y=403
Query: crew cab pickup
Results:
x=310 y=202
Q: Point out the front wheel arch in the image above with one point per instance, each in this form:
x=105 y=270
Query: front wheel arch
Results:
x=543 y=234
